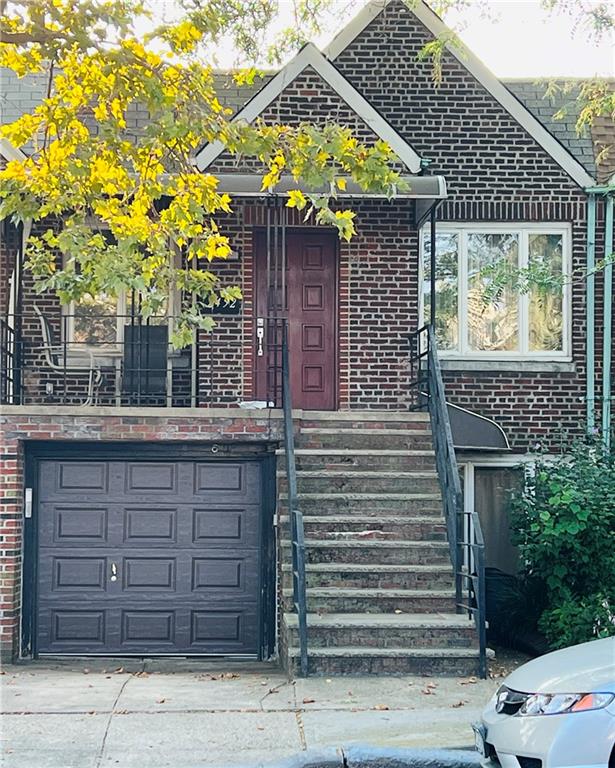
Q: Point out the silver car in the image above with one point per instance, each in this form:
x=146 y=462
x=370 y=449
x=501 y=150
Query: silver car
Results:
x=554 y=712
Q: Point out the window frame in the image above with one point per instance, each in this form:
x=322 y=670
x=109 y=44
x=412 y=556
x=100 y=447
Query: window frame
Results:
x=115 y=348
x=523 y=229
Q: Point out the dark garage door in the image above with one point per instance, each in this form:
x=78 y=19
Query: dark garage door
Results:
x=141 y=557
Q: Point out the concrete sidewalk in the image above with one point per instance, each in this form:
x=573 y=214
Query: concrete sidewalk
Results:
x=187 y=714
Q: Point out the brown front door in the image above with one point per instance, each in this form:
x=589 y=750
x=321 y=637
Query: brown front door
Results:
x=309 y=305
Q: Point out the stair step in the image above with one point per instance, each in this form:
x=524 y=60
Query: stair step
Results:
x=364 y=438
x=368 y=504
x=373 y=576
x=341 y=481
x=349 y=660
x=371 y=630
x=370 y=551
x=336 y=600
x=382 y=528
x=384 y=417
x=353 y=459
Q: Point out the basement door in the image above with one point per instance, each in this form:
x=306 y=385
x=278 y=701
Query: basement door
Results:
x=306 y=296
x=139 y=557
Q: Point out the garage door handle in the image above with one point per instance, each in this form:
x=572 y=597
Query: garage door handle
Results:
x=113 y=572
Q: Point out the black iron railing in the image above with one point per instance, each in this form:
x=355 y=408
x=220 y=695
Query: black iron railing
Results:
x=58 y=358
x=465 y=535
x=9 y=364
x=294 y=512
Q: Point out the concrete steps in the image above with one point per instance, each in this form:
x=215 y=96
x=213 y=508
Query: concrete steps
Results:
x=353 y=660
x=360 y=551
x=380 y=585
x=383 y=600
x=367 y=504
x=335 y=630
x=382 y=528
x=349 y=459
x=399 y=439
x=373 y=576
x=340 y=481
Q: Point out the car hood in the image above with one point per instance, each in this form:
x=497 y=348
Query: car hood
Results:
x=579 y=669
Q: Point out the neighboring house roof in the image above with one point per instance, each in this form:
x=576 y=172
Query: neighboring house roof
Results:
x=533 y=93
x=310 y=56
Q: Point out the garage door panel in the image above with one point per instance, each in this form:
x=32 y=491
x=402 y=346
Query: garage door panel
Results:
x=66 y=631
x=74 y=524
x=148 y=627
x=229 y=576
x=73 y=478
x=70 y=573
x=167 y=559
x=226 y=527
x=145 y=525
x=227 y=481
x=149 y=573
x=230 y=629
x=155 y=477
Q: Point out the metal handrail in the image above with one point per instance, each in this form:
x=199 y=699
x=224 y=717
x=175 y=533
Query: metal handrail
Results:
x=465 y=536
x=295 y=514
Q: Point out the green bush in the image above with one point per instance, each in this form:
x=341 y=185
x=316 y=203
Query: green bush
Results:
x=563 y=522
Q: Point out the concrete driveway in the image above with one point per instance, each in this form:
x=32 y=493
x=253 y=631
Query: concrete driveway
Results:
x=152 y=714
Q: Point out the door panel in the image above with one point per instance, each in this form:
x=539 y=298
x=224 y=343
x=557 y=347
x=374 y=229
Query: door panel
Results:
x=311 y=311
x=168 y=560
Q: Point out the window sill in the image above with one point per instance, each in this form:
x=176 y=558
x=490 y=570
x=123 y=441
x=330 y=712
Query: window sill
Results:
x=523 y=365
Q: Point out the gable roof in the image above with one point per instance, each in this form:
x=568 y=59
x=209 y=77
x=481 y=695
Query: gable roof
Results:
x=310 y=56
x=483 y=75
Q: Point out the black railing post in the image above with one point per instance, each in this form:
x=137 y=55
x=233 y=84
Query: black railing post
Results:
x=466 y=547
x=296 y=517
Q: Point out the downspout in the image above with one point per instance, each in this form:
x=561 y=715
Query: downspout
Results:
x=590 y=313
x=608 y=191
x=607 y=325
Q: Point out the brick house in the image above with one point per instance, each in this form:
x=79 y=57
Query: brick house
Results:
x=146 y=492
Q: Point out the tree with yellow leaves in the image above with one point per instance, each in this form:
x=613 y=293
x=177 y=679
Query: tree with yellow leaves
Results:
x=128 y=201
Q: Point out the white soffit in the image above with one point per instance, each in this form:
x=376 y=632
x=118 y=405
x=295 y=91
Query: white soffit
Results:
x=310 y=56
x=476 y=68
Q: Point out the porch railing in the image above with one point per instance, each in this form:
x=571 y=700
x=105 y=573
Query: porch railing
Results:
x=294 y=512
x=465 y=535
x=118 y=360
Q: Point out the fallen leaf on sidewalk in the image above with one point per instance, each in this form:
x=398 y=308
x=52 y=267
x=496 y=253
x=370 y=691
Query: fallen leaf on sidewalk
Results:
x=273 y=690
x=468 y=681
x=382 y=707
x=309 y=701
x=118 y=671
x=428 y=691
x=458 y=704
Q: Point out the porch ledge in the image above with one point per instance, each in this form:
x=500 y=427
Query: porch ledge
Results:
x=232 y=412
x=103 y=411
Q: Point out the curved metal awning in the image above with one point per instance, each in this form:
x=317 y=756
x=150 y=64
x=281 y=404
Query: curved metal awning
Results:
x=472 y=432
x=249 y=185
